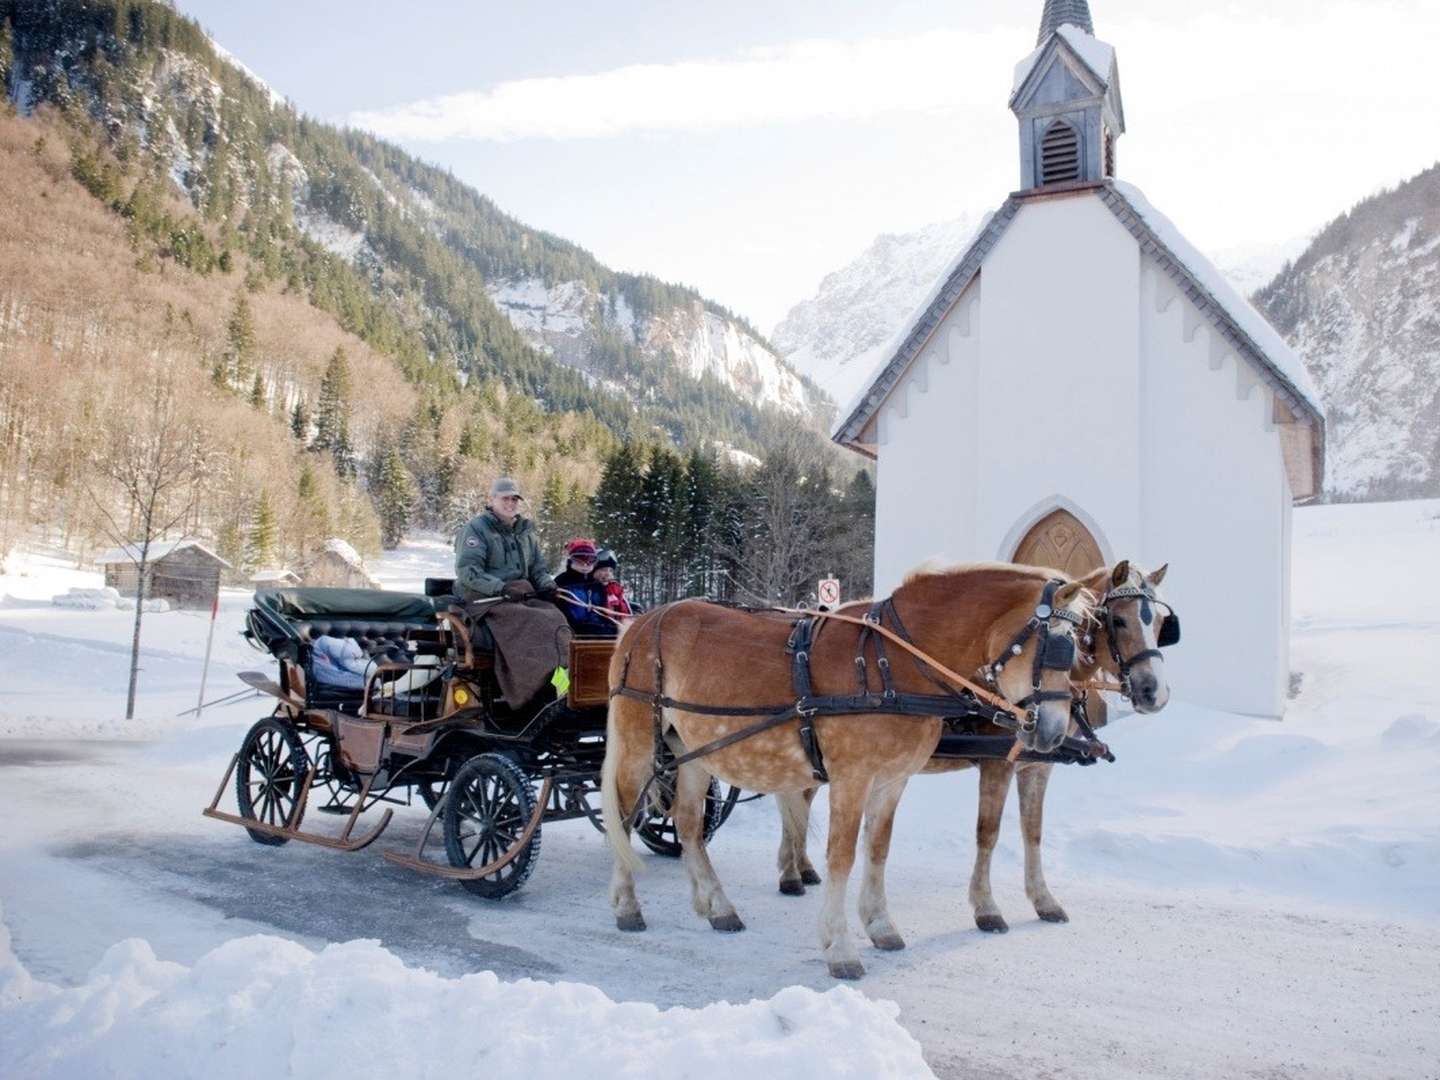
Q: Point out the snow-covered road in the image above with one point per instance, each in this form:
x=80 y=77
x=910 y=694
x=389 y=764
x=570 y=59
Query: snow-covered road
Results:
x=1246 y=898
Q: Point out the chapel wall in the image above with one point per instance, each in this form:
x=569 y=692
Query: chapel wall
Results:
x=1216 y=505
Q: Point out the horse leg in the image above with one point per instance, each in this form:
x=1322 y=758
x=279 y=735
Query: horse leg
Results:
x=706 y=893
x=628 y=751
x=994 y=787
x=808 y=874
x=847 y=804
x=879 y=824
x=794 y=821
x=1031 y=783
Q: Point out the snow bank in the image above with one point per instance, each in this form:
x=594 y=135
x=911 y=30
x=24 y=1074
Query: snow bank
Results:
x=263 y=1006
x=83 y=599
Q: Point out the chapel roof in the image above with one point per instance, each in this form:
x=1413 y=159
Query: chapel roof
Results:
x=1218 y=302
x=1060 y=13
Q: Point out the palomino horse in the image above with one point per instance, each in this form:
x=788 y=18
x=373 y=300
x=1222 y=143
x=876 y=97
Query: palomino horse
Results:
x=721 y=659
x=1122 y=642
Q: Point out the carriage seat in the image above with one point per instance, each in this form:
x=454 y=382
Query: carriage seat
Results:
x=374 y=636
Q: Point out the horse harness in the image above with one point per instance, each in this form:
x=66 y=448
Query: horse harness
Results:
x=1166 y=634
x=1055 y=652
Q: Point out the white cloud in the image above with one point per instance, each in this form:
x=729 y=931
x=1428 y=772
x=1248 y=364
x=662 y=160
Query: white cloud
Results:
x=806 y=80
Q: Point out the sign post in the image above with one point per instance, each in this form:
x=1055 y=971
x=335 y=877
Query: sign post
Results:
x=209 y=642
x=828 y=592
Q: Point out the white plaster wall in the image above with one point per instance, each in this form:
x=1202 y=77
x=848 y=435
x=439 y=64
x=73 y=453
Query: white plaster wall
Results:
x=1217 y=508
x=926 y=478
x=1058 y=380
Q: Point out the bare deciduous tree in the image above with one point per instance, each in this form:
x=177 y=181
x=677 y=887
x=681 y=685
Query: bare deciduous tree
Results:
x=152 y=456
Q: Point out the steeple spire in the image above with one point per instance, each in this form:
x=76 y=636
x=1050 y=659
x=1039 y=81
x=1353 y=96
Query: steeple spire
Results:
x=1060 y=12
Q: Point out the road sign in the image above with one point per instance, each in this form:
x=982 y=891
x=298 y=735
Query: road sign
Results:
x=828 y=592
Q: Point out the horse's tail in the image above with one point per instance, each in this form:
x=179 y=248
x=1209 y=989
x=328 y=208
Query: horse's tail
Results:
x=616 y=826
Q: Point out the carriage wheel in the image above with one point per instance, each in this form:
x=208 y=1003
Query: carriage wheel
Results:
x=269 y=775
x=486 y=808
x=657 y=829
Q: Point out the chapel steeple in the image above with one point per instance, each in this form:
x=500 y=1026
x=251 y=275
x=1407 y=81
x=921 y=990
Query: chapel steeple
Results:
x=1060 y=13
x=1066 y=97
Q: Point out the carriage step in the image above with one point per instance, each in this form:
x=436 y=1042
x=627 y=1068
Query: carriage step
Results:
x=339 y=809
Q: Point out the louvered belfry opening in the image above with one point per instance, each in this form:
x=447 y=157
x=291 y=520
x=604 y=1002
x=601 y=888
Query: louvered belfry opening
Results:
x=1109 y=153
x=1060 y=154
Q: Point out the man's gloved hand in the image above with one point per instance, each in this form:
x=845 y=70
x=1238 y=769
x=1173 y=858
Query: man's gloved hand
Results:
x=519 y=589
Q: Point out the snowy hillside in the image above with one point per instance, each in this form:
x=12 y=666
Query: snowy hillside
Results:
x=565 y=319
x=1247 y=898
x=1362 y=305
x=837 y=335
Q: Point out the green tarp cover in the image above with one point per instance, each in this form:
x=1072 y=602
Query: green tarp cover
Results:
x=360 y=603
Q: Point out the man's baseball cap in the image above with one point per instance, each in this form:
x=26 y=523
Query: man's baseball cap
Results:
x=504 y=486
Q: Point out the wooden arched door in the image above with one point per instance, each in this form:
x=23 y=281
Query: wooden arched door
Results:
x=1059 y=541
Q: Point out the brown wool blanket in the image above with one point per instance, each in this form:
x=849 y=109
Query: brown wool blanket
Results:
x=532 y=639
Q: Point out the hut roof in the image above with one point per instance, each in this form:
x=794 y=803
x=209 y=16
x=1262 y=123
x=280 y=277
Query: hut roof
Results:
x=159 y=549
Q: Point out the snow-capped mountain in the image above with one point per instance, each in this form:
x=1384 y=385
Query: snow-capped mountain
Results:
x=1362 y=305
x=836 y=336
x=563 y=320
x=468 y=285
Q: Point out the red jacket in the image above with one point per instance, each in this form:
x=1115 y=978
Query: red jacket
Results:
x=615 y=598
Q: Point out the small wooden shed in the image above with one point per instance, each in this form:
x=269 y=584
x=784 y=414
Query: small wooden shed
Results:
x=336 y=564
x=274 y=579
x=184 y=572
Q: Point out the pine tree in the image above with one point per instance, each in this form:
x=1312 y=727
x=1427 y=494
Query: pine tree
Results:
x=332 y=415
x=264 y=534
x=300 y=420
x=239 y=343
x=257 y=392
x=395 y=500
x=7 y=54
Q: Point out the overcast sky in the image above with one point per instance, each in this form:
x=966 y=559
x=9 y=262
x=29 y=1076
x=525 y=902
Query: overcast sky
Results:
x=750 y=147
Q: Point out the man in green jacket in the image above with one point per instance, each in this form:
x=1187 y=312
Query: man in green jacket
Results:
x=498 y=554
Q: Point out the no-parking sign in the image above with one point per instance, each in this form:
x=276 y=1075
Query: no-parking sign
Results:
x=828 y=591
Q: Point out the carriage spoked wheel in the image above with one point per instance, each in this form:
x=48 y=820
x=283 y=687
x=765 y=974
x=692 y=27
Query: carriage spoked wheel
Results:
x=657 y=828
x=270 y=776
x=487 y=806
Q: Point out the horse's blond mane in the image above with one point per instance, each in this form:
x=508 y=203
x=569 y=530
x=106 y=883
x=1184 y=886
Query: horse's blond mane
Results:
x=1083 y=604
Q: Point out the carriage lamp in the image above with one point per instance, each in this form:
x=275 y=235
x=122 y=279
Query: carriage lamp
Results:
x=461 y=695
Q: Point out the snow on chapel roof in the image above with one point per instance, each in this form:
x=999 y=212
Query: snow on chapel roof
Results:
x=1094 y=54
x=1232 y=316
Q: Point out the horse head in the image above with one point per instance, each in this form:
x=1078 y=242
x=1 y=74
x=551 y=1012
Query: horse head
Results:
x=1035 y=645
x=1132 y=624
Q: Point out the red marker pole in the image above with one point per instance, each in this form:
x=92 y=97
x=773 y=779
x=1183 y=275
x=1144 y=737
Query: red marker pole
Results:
x=209 y=643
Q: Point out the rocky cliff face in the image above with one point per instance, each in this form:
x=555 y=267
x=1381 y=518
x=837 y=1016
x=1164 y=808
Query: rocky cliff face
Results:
x=1362 y=306
x=836 y=336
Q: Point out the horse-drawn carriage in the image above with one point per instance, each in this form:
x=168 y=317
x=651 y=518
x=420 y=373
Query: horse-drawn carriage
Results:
x=429 y=721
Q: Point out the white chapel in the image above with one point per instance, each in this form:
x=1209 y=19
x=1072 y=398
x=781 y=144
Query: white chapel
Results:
x=1084 y=386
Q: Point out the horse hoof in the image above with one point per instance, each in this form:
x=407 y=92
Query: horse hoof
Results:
x=1055 y=915
x=888 y=942
x=992 y=924
x=631 y=924
x=727 y=924
x=792 y=887
x=810 y=877
x=846 y=969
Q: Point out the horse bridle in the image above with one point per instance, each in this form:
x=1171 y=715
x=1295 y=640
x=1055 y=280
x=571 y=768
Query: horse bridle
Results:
x=1166 y=634
x=1053 y=652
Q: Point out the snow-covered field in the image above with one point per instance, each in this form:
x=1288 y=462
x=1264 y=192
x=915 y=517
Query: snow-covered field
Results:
x=1246 y=897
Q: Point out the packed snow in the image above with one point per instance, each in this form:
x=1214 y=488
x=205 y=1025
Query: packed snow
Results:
x=1247 y=897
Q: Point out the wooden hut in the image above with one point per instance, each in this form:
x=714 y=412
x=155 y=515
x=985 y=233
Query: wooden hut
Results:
x=336 y=564
x=184 y=572
x=274 y=579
